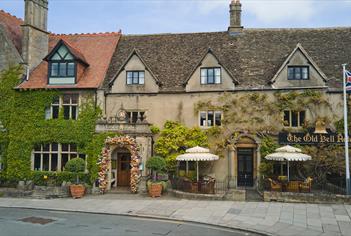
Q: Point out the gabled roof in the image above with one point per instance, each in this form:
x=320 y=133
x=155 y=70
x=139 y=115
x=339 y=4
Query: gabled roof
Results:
x=134 y=52
x=210 y=51
x=12 y=25
x=305 y=54
x=95 y=49
x=252 y=57
x=75 y=52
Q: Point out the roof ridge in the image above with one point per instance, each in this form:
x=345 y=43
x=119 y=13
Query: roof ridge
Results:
x=9 y=14
x=89 y=34
x=291 y=28
x=184 y=33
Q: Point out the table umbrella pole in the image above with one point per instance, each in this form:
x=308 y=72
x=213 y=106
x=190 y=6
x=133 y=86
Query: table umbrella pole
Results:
x=288 y=172
x=197 y=171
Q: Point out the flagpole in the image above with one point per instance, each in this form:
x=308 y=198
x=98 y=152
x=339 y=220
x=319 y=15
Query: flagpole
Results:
x=346 y=134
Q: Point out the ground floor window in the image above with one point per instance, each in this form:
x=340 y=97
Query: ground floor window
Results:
x=54 y=156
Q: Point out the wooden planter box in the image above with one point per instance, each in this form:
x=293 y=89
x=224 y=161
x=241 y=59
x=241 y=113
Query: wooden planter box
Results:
x=155 y=190
x=77 y=190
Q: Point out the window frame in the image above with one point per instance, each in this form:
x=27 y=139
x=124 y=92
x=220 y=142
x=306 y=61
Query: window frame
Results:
x=59 y=152
x=135 y=71
x=301 y=73
x=214 y=118
x=61 y=105
x=130 y=120
x=60 y=61
x=214 y=75
x=300 y=122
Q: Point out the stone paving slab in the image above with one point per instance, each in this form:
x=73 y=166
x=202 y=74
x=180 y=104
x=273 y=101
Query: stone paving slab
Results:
x=269 y=218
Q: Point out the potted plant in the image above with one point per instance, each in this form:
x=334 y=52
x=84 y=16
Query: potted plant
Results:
x=76 y=165
x=156 y=165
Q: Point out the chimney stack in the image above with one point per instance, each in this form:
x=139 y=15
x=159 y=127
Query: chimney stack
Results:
x=35 y=35
x=235 y=17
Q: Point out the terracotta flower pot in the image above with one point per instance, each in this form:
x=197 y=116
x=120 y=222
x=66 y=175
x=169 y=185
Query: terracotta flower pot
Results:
x=155 y=190
x=77 y=190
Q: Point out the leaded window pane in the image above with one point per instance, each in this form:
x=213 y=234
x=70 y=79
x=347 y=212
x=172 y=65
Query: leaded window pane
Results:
x=290 y=73
x=64 y=160
x=37 y=161
x=287 y=118
x=70 y=69
x=210 y=118
x=63 y=69
x=46 y=147
x=305 y=73
x=64 y=147
x=56 y=56
x=294 y=119
x=69 y=56
x=54 y=158
x=45 y=162
x=210 y=76
x=203 y=118
x=302 y=118
x=135 y=77
x=73 y=148
x=217 y=75
x=62 y=51
x=141 y=77
x=129 y=77
x=218 y=118
x=67 y=99
x=66 y=112
x=74 y=112
x=55 y=112
x=54 y=69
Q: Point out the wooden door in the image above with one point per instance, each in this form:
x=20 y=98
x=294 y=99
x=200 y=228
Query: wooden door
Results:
x=245 y=167
x=123 y=172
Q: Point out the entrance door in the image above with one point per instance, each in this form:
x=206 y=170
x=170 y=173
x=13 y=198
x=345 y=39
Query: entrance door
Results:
x=245 y=167
x=123 y=172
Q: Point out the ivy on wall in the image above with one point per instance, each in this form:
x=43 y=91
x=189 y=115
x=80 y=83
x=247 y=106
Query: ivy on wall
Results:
x=22 y=114
x=262 y=114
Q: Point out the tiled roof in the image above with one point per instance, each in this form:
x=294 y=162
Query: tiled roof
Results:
x=12 y=25
x=95 y=49
x=252 y=57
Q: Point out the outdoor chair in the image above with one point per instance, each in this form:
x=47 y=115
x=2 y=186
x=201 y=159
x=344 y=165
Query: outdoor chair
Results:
x=293 y=186
x=305 y=187
x=277 y=187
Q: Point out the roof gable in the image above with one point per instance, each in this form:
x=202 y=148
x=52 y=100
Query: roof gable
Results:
x=209 y=51
x=12 y=25
x=61 y=45
x=134 y=53
x=292 y=54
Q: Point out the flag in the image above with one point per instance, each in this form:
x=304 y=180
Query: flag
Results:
x=348 y=81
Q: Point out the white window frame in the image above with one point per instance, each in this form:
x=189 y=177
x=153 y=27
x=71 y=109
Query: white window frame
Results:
x=207 y=120
x=59 y=153
x=130 y=119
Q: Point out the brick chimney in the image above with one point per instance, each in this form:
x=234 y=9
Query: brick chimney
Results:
x=35 y=35
x=235 y=17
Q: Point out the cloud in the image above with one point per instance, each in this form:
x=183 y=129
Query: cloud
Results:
x=282 y=10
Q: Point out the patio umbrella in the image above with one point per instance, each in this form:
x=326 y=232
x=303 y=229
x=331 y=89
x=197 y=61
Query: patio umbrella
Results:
x=197 y=154
x=288 y=153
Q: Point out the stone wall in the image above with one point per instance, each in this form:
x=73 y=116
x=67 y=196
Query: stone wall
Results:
x=306 y=197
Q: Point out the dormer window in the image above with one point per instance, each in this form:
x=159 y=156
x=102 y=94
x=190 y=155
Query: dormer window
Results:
x=298 y=73
x=135 y=77
x=211 y=75
x=62 y=67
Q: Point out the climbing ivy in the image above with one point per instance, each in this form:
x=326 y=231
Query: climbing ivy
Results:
x=22 y=113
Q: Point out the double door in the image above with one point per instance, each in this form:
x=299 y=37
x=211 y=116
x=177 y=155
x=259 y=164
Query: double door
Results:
x=245 y=167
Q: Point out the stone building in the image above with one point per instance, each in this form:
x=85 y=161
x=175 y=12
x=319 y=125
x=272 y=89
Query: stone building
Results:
x=139 y=80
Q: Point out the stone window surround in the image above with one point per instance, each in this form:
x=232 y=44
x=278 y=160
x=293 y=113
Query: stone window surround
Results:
x=293 y=69
x=214 y=118
x=204 y=80
x=140 y=116
x=59 y=152
x=133 y=79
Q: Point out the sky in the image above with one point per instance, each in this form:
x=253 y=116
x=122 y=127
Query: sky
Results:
x=175 y=16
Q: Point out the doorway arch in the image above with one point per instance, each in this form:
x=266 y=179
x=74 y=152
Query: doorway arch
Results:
x=105 y=162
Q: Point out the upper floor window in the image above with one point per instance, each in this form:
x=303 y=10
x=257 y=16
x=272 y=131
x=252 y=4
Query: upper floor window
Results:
x=135 y=77
x=62 y=67
x=210 y=118
x=69 y=105
x=210 y=75
x=294 y=118
x=134 y=117
x=298 y=73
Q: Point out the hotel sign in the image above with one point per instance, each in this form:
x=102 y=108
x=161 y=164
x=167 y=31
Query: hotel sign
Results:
x=311 y=138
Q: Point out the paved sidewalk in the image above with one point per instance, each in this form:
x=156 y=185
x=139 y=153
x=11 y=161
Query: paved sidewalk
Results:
x=268 y=218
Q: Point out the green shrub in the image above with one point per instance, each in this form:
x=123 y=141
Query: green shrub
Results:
x=75 y=166
x=156 y=164
x=45 y=178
